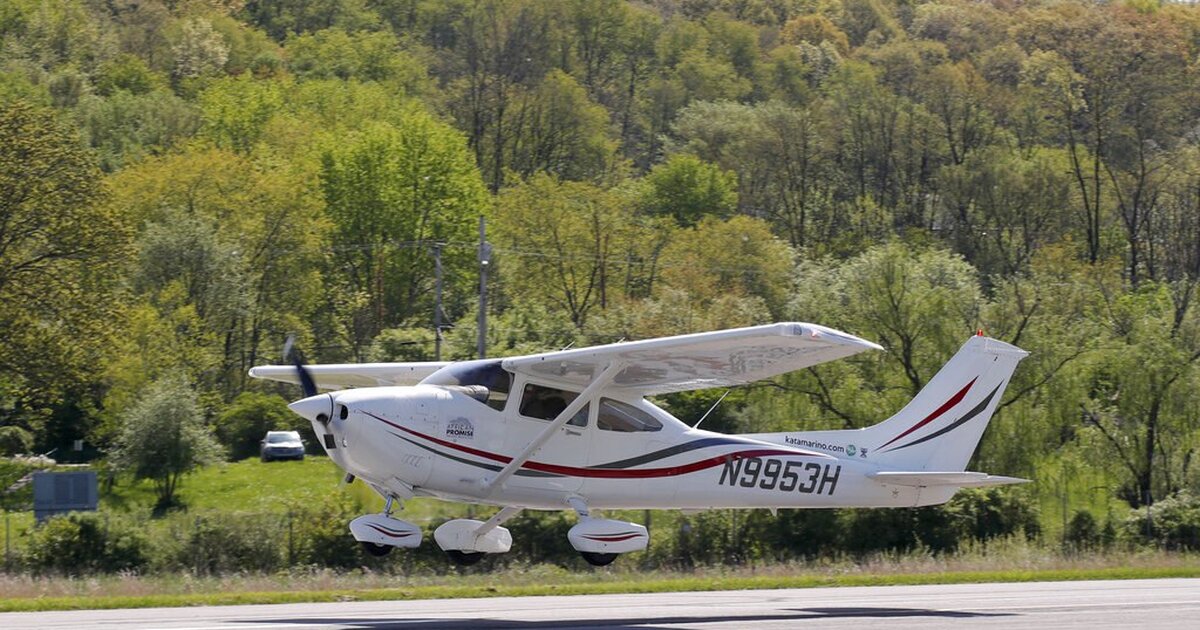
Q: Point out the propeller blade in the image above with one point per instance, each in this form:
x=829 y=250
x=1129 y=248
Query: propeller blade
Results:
x=307 y=384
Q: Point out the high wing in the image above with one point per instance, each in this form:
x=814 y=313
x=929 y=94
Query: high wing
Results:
x=697 y=361
x=342 y=375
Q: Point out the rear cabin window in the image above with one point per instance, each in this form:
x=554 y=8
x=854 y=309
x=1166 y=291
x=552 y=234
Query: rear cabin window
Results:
x=615 y=415
x=545 y=403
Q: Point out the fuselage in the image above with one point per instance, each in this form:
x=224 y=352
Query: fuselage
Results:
x=619 y=453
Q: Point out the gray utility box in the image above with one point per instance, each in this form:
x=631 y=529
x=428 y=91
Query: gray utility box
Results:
x=62 y=492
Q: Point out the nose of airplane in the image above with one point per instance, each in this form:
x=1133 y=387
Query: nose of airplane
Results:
x=319 y=407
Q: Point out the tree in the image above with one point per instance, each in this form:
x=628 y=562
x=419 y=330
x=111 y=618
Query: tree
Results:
x=163 y=437
x=1141 y=402
x=248 y=418
x=574 y=235
x=392 y=190
x=201 y=51
x=689 y=189
x=558 y=130
x=918 y=303
x=738 y=257
x=61 y=251
x=228 y=264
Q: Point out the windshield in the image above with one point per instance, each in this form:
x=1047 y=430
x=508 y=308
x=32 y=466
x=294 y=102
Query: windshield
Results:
x=486 y=373
x=279 y=438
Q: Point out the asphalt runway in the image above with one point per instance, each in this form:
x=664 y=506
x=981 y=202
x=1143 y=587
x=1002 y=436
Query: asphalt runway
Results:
x=1028 y=606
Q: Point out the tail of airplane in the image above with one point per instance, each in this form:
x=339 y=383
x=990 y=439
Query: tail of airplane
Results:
x=939 y=429
x=930 y=440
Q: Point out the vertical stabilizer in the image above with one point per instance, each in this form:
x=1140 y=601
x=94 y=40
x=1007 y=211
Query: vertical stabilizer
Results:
x=939 y=429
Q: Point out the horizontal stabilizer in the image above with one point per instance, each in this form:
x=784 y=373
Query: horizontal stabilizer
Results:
x=960 y=479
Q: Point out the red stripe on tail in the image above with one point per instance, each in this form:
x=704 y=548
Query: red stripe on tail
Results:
x=954 y=400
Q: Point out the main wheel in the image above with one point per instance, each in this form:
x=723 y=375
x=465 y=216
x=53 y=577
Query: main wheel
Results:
x=464 y=558
x=376 y=549
x=598 y=559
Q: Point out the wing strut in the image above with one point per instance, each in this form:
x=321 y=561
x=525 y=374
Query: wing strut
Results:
x=604 y=378
x=495 y=521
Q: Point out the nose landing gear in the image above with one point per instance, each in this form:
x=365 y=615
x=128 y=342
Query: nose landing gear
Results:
x=380 y=533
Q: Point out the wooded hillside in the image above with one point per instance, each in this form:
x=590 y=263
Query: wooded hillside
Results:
x=185 y=182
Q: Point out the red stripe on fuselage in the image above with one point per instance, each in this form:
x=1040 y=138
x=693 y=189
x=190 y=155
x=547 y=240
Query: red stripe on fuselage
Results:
x=954 y=400
x=608 y=473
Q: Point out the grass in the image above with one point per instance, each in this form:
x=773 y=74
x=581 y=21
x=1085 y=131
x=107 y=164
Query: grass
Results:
x=503 y=588
x=251 y=486
x=246 y=486
x=1017 y=563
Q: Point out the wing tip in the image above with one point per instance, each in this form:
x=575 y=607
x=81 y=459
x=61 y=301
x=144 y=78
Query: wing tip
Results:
x=817 y=331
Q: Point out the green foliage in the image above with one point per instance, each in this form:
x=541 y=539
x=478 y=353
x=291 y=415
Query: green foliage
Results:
x=182 y=185
x=225 y=543
x=323 y=538
x=394 y=189
x=128 y=73
x=281 y=18
x=1084 y=533
x=163 y=437
x=402 y=344
x=59 y=263
x=1173 y=523
x=128 y=125
x=237 y=110
x=15 y=441
x=688 y=189
x=82 y=543
x=247 y=419
x=13 y=496
x=335 y=54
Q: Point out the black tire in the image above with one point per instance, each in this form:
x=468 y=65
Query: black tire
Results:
x=376 y=550
x=598 y=559
x=464 y=558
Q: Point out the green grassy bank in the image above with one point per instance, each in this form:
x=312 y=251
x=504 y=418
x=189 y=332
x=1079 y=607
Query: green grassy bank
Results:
x=539 y=581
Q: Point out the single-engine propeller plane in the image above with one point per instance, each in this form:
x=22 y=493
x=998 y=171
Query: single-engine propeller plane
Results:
x=573 y=429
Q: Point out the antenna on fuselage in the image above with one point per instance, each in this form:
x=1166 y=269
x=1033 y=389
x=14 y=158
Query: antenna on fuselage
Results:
x=711 y=409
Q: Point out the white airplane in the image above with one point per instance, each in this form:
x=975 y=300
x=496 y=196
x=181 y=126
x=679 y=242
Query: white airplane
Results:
x=573 y=430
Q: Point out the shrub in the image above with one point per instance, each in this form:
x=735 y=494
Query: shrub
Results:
x=14 y=441
x=1173 y=523
x=85 y=542
x=1082 y=533
x=247 y=419
x=322 y=535
x=225 y=543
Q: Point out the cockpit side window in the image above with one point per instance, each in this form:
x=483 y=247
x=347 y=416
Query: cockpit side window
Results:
x=615 y=415
x=545 y=403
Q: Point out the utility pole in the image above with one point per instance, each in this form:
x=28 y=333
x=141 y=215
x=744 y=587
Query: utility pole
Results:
x=485 y=258
x=437 y=308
